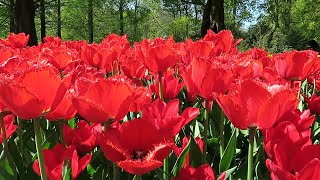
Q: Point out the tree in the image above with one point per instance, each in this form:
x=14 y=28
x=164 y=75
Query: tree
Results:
x=213 y=16
x=24 y=19
x=42 y=19
x=11 y=14
x=59 y=18
x=90 y=20
x=121 y=25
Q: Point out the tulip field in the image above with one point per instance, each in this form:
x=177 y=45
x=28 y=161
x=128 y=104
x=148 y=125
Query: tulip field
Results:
x=157 y=109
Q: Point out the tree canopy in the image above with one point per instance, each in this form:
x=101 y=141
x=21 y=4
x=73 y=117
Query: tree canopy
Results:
x=271 y=24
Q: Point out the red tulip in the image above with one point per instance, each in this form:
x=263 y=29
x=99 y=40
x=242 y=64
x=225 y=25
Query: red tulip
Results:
x=200 y=173
x=134 y=150
x=295 y=65
x=29 y=94
x=59 y=58
x=64 y=110
x=204 y=79
x=103 y=99
x=170 y=85
x=9 y=126
x=255 y=105
x=313 y=103
x=178 y=150
x=305 y=165
x=5 y=54
x=223 y=42
x=54 y=160
x=82 y=137
x=77 y=165
x=159 y=54
x=142 y=97
x=132 y=64
x=167 y=115
x=16 y=40
x=118 y=44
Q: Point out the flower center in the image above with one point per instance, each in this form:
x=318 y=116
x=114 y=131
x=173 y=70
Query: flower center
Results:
x=138 y=154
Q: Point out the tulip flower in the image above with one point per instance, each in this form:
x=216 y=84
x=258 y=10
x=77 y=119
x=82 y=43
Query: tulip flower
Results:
x=170 y=86
x=55 y=159
x=200 y=173
x=103 y=99
x=254 y=105
x=31 y=93
x=133 y=150
x=82 y=137
x=10 y=128
x=295 y=65
x=204 y=79
x=178 y=150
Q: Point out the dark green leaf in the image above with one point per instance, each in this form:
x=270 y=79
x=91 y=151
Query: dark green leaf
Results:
x=181 y=160
x=228 y=154
x=7 y=168
x=195 y=153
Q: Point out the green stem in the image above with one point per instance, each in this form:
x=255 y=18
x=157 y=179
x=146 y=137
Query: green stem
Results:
x=4 y=136
x=118 y=67
x=116 y=174
x=166 y=160
x=5 y=143
x=38 y=139
x=252 y=132
x=160 y=86
x=61 y=124
x=138 y=177
x=205 y=130
x=314 y=84
x=20 y=133
x=221 y=131
x=298 y=97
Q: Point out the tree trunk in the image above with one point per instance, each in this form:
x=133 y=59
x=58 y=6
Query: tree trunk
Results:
x=24 y=19
x=135 y=26
x=234 y=15
x=90 y=20
x=42 y=19
x=196 y=11
x=59 y=18
x=213 y=17
x=121 y=26
x=12 y=27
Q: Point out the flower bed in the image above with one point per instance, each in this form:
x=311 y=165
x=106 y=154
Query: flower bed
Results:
x=157 y=109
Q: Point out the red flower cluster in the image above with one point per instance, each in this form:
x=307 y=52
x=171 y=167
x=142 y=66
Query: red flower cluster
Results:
x=104 y=82
x=288 y=144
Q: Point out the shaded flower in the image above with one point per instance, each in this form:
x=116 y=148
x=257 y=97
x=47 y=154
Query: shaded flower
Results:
x=170 y=85
x=178 y=150
x=82 y=137
x=167 y=115
x=200 y=173
x=54 y=160
x=9 y=126
x=313 y=103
